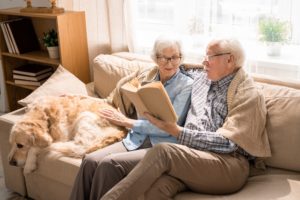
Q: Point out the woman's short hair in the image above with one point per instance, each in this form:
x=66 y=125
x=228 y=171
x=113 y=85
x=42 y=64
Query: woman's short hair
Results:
x=233 y=46
x=164 y=42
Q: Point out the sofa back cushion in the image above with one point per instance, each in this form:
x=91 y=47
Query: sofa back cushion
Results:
x=283 y=126
x=109 y=69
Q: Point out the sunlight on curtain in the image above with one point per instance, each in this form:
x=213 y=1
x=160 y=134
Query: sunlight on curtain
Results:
x=108 y=24
x=197 y=21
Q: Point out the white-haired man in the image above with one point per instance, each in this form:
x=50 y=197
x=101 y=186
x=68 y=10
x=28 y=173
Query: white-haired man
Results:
x=224 y=129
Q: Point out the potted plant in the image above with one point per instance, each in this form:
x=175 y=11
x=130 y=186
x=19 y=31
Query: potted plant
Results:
x=274 y=32
x=50 y=41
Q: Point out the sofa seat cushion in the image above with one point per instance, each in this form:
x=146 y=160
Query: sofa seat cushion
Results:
x=274 y=184
x=56 y=168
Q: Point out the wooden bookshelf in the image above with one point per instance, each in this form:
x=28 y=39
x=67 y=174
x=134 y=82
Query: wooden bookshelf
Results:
x=71 y=29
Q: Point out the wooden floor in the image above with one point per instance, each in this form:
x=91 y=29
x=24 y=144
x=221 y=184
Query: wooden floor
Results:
x=6 y=194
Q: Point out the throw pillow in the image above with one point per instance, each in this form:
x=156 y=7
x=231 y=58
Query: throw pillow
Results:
x=283 y=105
x=61 y=82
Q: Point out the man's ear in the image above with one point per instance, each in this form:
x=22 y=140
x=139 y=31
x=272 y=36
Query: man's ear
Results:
x=231 y=59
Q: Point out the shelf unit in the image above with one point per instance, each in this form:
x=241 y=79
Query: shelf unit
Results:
x=72 y=37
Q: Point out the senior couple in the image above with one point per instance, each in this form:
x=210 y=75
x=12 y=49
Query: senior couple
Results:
x=220 y=129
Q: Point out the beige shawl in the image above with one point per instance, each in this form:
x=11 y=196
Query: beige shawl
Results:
x=246 y=119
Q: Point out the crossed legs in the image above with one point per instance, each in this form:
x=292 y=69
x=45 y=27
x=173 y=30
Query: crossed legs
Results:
x=180 y=166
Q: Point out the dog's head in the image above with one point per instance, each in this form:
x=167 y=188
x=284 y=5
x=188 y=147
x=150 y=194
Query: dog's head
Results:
x=24 y=135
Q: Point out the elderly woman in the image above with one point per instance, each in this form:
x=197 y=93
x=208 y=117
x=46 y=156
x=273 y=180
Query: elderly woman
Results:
x=94 y=178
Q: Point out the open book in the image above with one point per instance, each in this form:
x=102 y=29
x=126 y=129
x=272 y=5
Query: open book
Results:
x=151 y=98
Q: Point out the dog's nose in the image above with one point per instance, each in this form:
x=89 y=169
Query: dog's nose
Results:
x=13 y=162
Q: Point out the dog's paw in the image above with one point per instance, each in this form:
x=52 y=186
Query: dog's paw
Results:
x=29 y=168
x=31 y=161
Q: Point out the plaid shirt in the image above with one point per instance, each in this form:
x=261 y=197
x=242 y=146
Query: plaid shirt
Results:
x=200 y=128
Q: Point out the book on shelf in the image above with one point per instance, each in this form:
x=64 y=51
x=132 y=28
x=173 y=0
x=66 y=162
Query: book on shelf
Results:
x=32 y=69
x=10 y=43
x=32 y=78
x=151 y=98
x=31 y=83
x=23 y=35
x=6 y=37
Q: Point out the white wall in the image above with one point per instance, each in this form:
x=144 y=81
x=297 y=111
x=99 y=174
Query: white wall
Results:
x=22 y=3
x=97 y=39
x=3 y=99
x=10 y=4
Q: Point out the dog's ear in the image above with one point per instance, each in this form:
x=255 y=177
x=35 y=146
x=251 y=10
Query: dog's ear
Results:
x=42 y=140
x=41 y=134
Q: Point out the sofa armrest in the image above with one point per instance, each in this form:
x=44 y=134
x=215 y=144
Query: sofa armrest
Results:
x=14 y=178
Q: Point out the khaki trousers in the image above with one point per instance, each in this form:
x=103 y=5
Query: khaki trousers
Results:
x=168 y=169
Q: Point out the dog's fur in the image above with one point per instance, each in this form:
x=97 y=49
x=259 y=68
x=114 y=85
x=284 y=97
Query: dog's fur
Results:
x=70 y=125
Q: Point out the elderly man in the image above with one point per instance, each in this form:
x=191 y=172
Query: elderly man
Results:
x=224 y=129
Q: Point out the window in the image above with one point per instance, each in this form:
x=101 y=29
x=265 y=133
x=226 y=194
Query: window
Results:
x=197 y=21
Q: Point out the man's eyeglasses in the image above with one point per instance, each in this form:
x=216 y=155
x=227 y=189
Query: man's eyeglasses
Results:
x=209 y=57
x=165 y=60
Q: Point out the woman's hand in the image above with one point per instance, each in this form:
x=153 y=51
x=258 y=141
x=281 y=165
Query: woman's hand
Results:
x=169 y=127
x=117 y=118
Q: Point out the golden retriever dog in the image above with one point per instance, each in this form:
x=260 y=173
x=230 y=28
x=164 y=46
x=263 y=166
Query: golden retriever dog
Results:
x=70 y=125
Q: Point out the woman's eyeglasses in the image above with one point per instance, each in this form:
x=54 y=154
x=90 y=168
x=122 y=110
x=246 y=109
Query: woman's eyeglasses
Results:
x=165 y=60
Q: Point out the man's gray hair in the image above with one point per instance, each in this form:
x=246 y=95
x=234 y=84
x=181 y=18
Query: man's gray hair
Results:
x=164 y=42
x=233 y=46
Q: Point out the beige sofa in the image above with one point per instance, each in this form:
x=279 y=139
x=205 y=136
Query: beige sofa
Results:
x=55 y=175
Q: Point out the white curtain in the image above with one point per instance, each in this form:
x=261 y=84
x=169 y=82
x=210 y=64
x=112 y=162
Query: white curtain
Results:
x=120 y=25
x=109 y=24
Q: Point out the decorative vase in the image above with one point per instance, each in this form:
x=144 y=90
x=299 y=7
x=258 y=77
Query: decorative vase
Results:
x=53 y=52
x=273 y=48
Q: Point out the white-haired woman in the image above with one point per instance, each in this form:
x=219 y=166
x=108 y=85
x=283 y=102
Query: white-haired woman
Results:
x=95 y=178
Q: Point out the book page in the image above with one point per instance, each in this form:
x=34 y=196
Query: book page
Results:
x=157 y=101
x=131 y=92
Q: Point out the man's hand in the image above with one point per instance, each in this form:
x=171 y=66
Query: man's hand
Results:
x=117 y=118
x=169 y=127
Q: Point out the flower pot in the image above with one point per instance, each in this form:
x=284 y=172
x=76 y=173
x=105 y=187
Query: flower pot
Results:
x=273 y=48
x=53 y=52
